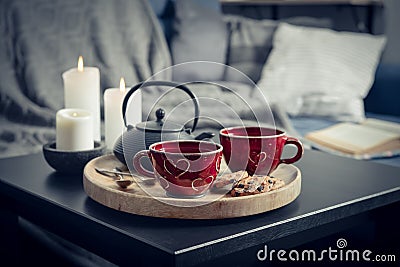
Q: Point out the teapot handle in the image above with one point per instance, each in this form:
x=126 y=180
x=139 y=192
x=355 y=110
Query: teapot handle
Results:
x=162 y=83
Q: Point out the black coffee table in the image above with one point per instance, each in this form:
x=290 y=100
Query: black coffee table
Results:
x=336 y=192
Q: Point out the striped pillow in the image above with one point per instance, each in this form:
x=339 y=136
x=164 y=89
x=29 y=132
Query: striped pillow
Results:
x=321 y=72
x=250 y=42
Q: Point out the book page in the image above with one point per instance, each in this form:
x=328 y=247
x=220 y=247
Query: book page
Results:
x=383 y=125
x=351 y=138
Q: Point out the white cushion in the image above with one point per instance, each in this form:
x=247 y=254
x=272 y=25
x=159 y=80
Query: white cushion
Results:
x=321 y=72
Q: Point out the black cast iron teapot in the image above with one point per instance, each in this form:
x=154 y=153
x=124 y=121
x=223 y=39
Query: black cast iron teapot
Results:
x=144 y=134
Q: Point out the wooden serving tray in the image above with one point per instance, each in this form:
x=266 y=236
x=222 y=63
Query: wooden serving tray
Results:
x=151 y=200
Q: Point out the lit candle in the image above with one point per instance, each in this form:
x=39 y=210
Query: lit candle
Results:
x=74 y=130
x=113 y=117
x=113 y=120
x=82 y=91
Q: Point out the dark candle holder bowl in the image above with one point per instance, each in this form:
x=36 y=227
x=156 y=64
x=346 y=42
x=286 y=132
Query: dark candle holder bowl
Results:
x=71 y=161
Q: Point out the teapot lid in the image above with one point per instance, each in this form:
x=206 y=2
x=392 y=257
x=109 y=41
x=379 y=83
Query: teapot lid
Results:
x=158 y=125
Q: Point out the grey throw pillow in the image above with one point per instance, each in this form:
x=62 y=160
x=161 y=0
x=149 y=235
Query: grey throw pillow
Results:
x=250 y=42
x=199 y=35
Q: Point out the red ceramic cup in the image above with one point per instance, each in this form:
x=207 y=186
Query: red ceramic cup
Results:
x=183 y=168
x=257 y=150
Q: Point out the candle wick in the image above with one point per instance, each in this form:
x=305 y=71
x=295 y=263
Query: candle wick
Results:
x=74 y=114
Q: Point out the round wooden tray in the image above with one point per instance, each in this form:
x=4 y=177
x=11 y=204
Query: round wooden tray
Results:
x=151 y=200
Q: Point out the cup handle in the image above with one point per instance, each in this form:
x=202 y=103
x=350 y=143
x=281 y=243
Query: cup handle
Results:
x=138 y=165
x=300 y=150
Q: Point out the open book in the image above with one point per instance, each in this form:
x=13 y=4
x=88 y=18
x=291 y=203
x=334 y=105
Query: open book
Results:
x=371 y=137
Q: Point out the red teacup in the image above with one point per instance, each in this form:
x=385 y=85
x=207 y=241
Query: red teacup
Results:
x=257 y=150
x=183 y=168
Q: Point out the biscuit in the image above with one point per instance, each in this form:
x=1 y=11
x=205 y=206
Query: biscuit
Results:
x=253 y=185
x=230 y=178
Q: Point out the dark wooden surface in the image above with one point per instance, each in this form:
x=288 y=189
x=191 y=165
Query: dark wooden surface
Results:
x=333 y=189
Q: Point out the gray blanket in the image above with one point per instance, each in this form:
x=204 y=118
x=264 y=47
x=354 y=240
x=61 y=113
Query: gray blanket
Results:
x=40 y=39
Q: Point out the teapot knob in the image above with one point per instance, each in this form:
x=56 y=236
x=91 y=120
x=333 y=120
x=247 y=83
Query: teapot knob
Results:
x=160 y=114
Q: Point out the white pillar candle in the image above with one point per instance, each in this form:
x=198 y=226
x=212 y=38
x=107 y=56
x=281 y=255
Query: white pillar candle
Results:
x=134 y=109
x=82 y=91
x=113 y=117
x=74 y=130
x=113 y=120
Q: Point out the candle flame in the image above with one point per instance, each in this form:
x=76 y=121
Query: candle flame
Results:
x=80 y=63
x=74 y=114
x=122 y=85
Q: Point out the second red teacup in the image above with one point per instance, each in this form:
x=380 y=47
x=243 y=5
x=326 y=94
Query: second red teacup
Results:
x=257 y=150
